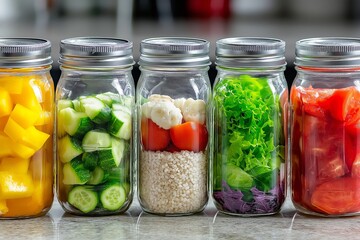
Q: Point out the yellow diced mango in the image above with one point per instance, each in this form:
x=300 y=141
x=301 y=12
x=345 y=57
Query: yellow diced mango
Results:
x=14 y=130
x=21 y=150
x=14 y=165
x=41 y=198
x=44 y=118
x=6 y=103
x=34 y=138
x=28 y=97
x=5 y=146
x=3 y=207
x=24 y=116
x=3 y=121
x=15 y=185
x=12 y=84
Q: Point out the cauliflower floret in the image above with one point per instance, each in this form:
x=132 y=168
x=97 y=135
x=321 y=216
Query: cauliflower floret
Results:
x=194 y=110
x=160 y=98
x=165 y=114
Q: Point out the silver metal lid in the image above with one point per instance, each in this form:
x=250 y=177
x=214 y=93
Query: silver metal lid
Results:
x=250 y=52
x=24 y=52
x=96 y=52
x=328 y=52
x=174 y=52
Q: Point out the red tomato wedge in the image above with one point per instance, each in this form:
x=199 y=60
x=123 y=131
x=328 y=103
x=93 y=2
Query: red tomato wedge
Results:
x=153 y=137
x=189 y=136
x=339 y=103
x=339 y=196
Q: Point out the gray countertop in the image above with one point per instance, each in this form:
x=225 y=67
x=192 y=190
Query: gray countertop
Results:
x=135 y=224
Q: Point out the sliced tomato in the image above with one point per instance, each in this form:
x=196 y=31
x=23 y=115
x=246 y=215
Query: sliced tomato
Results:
x=355 y=170
x=191 y=136
x=315 y=100
x=339 y=103
x=153 y=137
x=339 y=196
x=350 y=151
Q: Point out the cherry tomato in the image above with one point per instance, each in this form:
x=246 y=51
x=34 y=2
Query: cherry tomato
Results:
x=153 y=137
x=189 y=136
x=339 y=196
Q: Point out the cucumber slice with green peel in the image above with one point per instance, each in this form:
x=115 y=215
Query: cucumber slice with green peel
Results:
x=112 y=157
x=64 y=103
x=120 y=125
x=69 y=148
x=90 y=160
x=75 y=172
x=96 y=140
x=115 y=97
x=75 y=123
x=77 y=105
x=113 y=196
x=105 y=98
x=98 y=176
x=120 y=107
x=128 y=101
x=95 y=109
x=83 y=198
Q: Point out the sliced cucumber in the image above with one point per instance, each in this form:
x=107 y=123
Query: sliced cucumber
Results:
x=105 y=98
x=97 y=111
x=69 y=148
x=75 y=123
x=112 y=196
x=115 y=97
x=111 y=158
x=96 y=140
x=90 y=160
x=83 y=198
x=64 y=103
x=120 y=125
x=77 y=105
x=120 y=107
x=75 y=172
x=98 y=176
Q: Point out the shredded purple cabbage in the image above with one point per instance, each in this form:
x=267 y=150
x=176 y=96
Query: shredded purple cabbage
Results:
x=263 y=202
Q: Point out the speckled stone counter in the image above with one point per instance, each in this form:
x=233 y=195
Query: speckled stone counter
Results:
x=210 y=224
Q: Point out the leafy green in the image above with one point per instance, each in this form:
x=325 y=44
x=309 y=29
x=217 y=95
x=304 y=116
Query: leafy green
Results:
x=249 y=133
x=237 y=178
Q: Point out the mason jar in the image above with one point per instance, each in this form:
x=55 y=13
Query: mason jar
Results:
x=325 y=121
x=173 y=95
x=95 y=121
x=26 y=128
x=249 y=108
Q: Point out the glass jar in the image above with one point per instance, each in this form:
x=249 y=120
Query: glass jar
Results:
x=173 y=93
x=325 y=136
x=95 y=100
x=250 y=99
x=26 y=127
